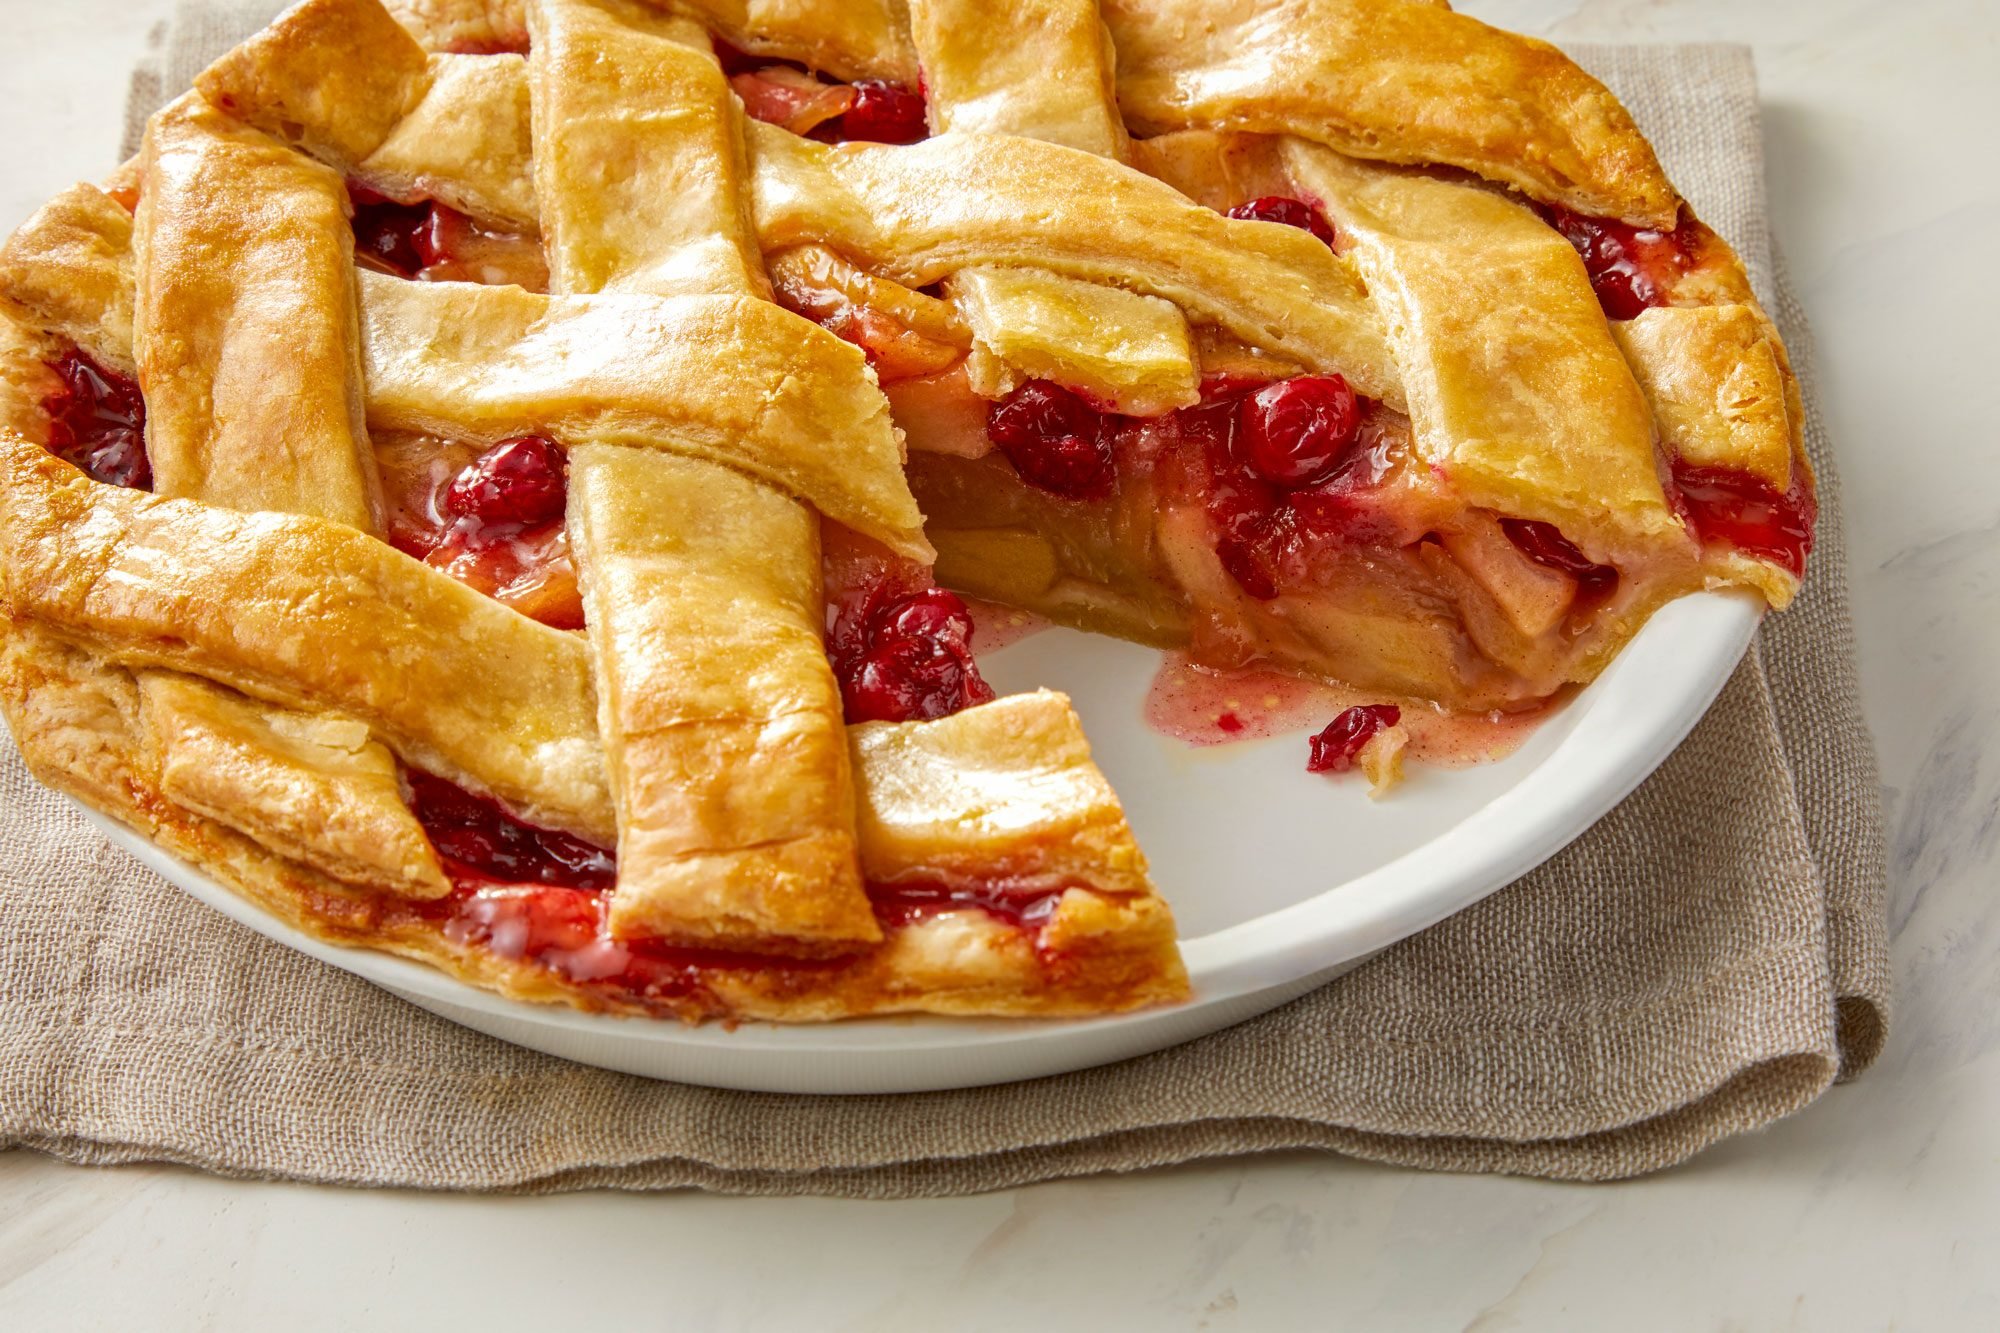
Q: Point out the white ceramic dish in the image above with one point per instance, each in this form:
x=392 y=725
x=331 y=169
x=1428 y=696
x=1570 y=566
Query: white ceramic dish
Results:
x=1278 y=880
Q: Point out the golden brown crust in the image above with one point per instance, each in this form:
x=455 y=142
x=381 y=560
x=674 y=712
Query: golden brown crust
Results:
x=796 y=408
x=468 y=142
x=631 y=200
x=1516 y=389
x=76 y=720
x=849 y=39
x=288 y=81
x=923 y=212
x=482 y=26
x=312 y=787
x=1126 y=352
x=1040 y=69
x=68 y=271
x=1715 y=378
x=246 y=334
x=303 y=613
x=1005 y=790
x=721 y=719
x=1391 y=81
x=26 y=381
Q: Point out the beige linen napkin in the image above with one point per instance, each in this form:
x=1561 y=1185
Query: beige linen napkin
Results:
x=1709 y=957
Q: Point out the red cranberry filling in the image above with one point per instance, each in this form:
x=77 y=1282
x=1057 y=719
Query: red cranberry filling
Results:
x=1335 y=749
x=565 y=930
x=1057 y=442
x=883 y=113
x=906 y=658
x=1253 y=444
x=477 y=837
x=877 y=111
x=523 y=480
x=535 y=895
x=1748 y=513
x=1544 y=544
x=1298 y=432
x=97 y=422
x=497 y=525
x=1026 y=906
x=1291 y=212
x=1631 y=268
x=403 y=239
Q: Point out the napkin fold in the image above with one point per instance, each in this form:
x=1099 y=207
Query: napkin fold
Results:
x=1709 y=957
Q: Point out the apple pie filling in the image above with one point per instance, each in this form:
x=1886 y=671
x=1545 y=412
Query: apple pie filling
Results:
x=1212 y=497
x=1275 y=518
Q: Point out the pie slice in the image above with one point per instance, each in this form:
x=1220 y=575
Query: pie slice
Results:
x=566 y=419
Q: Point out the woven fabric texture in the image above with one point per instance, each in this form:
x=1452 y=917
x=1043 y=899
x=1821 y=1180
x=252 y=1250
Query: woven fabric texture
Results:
x=1709 y=957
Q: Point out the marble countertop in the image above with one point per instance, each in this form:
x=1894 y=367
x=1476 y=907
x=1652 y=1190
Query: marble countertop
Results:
x=1873 y=1209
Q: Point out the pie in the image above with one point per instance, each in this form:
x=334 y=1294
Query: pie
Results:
x=492 y=481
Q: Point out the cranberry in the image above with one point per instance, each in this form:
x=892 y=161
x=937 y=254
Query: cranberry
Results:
x=481 y=837
x=1299 y=431
x=1544 y=544
x=1247 y=560
x=1028 y=906
x=97 y=422
x=1748 y=513
x=1631 y=268
x=1291 y=212
x=388 y=232
x=735 y=60
x=907 y=659
x=906 y=680
x=403 y=239
x=934 y=613
x=1055 y=440
x=1283 y=469
x=1335 y=749
x=523 y=480
x=884 y=113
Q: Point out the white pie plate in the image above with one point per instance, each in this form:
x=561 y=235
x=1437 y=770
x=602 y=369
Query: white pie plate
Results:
x=1279 y=880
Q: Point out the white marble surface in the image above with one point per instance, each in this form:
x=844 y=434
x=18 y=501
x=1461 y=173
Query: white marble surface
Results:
x=1874 y=1209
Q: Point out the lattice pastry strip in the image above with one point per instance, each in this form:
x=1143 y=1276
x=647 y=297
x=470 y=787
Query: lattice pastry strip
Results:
x=722 y=720
x=240 y=246
x=1040 y=69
